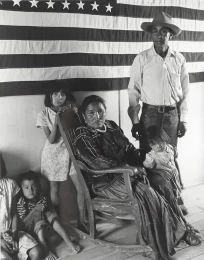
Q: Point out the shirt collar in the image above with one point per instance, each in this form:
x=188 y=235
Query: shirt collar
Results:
x=169 y=53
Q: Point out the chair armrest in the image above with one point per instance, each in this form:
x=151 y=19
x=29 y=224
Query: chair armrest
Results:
x=132 y=171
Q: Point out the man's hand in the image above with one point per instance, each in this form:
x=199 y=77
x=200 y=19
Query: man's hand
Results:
x=182 y=129
x=136 y=131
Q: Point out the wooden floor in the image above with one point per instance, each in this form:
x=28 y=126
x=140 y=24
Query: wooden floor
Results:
x=125 y=233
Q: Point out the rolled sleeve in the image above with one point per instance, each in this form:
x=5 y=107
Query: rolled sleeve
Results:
x=41 y=120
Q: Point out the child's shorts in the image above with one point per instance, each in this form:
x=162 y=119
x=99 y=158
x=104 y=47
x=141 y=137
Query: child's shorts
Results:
x=26 y=242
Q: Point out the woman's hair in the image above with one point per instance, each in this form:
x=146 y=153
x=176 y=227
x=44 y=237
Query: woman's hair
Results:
x=29 y=176
x=3 y=170
x=92 y=99
x=56 y=86
x=156 y=134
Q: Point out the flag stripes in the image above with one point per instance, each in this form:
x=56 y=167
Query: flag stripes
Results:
x=84 y=34
x=89 y=49
x=84 y=59
x=133 y=23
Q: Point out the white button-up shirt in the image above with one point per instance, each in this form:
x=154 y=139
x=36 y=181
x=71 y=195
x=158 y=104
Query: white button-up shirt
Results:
x=158 y=81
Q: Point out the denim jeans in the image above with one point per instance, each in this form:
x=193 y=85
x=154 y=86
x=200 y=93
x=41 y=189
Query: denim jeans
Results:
x=168 y=121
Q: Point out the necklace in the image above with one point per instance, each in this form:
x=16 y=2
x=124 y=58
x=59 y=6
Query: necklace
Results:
x=101 y=130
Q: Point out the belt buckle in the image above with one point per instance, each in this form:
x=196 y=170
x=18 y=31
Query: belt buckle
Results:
x=161 y=109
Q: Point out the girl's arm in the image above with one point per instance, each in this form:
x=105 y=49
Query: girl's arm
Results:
x=14 y=216
x=51 y=135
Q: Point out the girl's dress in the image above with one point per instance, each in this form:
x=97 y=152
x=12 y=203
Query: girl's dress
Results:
x=55 y=159
x=8 y=189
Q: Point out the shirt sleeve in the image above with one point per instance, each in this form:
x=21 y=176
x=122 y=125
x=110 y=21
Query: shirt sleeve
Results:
x=41 y=120
x=185 y=90
x=90 y=152
x=134 y=89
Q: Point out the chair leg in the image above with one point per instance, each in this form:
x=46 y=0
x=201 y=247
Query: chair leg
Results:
x=92 y=225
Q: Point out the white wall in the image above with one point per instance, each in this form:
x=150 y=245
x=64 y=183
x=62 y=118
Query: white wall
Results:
x=21 y=142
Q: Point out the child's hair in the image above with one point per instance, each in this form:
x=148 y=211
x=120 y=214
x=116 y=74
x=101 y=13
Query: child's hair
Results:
x=30 y=175
x=156 y=134
x=56 y=86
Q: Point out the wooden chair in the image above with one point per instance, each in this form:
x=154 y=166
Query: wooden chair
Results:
x=68 y=122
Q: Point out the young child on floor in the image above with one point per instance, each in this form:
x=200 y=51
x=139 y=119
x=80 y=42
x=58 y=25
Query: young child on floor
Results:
x=14 y=243
x=36 y=212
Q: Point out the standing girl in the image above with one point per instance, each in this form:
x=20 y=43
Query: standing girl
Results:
x=55 y=161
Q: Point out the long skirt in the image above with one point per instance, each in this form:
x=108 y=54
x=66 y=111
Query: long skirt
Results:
x=166 y=183
x=161 y=228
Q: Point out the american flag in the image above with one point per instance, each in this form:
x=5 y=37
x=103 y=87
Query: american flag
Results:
x=89 y=45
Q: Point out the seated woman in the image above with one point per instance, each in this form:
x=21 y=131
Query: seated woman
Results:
x=101 y=144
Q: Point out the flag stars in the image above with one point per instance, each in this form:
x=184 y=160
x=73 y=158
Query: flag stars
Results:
x=94 y=6
x=34 y=3
x=108 y=8
x=66 y=4
x=16 y=2
x=81 y=5
x=50 y=4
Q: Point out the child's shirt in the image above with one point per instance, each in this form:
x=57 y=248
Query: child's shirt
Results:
x=161 y=160
x=25 y=206
x=8 y=189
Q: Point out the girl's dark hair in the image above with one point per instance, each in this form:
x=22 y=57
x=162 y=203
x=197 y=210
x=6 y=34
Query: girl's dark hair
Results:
x=56 y=86
x=156 y=134
x=92 y=99
x=29 y=176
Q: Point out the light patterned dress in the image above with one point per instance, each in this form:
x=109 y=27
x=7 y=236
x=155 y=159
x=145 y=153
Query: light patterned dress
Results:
x=8 y=189
x=55 y=159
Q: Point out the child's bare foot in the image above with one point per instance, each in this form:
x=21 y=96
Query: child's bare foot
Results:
x=51 y=256
x=75 y=248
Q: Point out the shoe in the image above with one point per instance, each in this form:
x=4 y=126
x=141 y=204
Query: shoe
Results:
x=192 y=239
x=184 y=210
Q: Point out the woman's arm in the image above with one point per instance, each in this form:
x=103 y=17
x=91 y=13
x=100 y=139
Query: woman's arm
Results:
x=14 y=216
x=91 y=154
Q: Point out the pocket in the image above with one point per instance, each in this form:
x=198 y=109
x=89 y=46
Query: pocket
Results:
x=176 y=84
x=175 y=80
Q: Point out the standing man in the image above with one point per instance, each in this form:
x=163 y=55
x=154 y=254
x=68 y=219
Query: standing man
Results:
x=160 y=80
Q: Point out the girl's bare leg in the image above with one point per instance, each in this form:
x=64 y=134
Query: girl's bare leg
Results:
x=57 y=226
x=54 y=194
x=80 y=199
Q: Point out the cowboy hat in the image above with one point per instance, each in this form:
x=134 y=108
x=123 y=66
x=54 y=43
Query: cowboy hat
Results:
x=162 y=19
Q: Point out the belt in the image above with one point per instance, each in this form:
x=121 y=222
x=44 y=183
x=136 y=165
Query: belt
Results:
x=160 y=109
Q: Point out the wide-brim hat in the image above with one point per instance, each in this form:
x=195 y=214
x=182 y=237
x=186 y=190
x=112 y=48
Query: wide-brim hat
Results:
x=162 y=19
